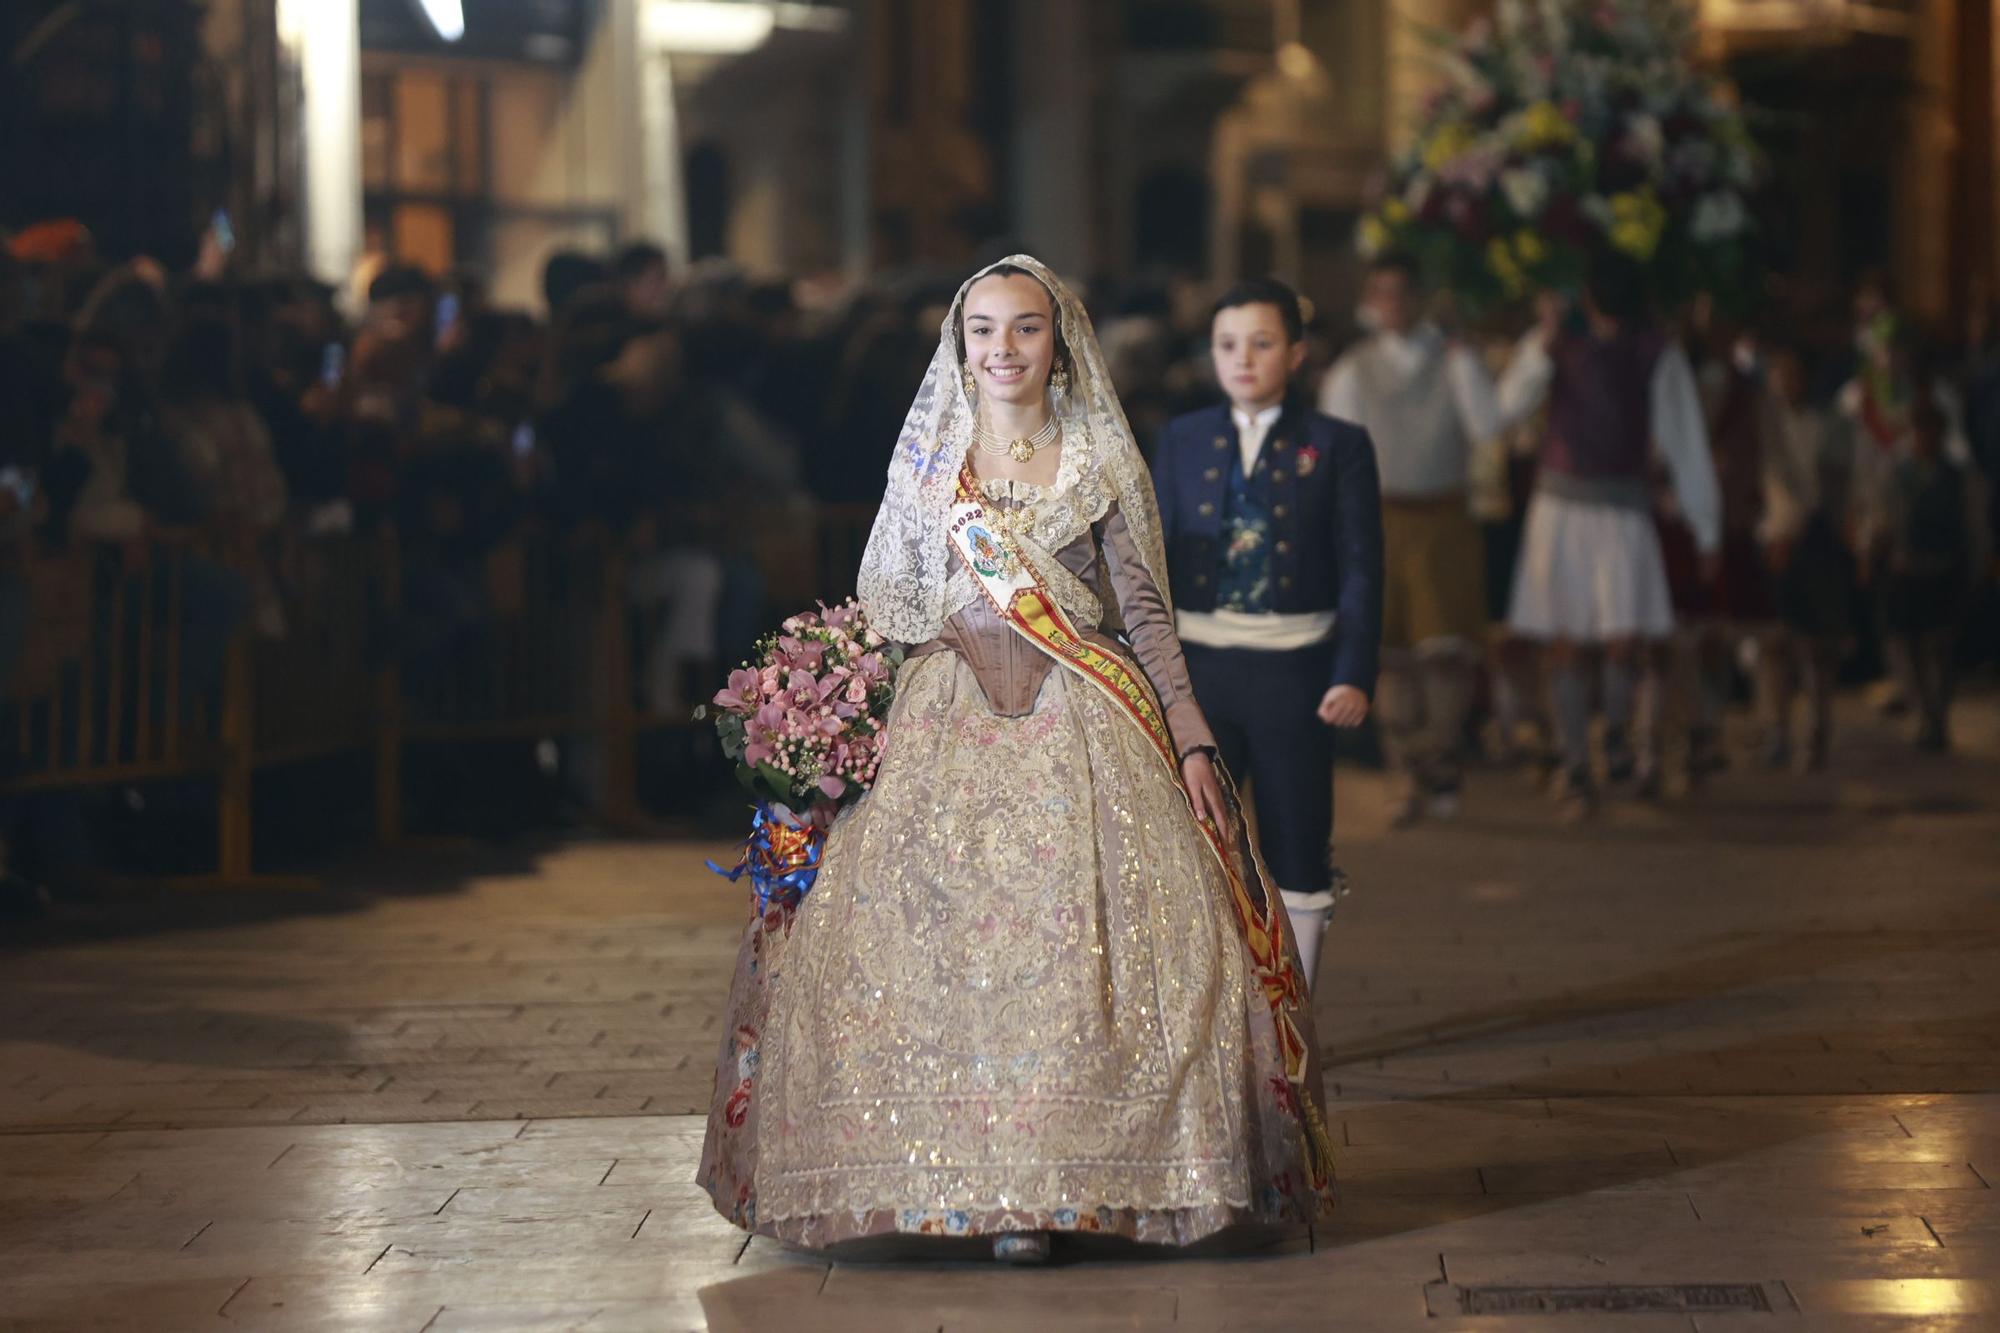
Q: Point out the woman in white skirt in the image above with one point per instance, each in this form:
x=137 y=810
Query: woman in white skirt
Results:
x=1590 y=584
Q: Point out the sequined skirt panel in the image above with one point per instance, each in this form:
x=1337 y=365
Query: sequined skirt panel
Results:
x=1015 y=999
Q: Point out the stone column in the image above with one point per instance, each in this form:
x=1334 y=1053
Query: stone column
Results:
x=1923 y=218
x=323 y=38
x=1054 y=196
x=662 y=205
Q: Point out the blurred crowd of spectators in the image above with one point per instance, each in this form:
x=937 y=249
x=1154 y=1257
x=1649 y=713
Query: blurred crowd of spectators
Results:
x=688 y=416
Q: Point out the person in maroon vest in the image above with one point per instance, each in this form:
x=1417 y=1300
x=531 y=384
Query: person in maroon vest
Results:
x=1590 y=584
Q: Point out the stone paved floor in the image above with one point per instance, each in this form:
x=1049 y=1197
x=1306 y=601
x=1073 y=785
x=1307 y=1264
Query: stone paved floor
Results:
x=1750 y=1039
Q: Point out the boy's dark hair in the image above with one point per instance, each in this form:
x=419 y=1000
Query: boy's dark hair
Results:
x=636 y=258
x=1395 y=261
x=1265 y=291
x=566 y=273
x=1616 y=286
x=400 y=280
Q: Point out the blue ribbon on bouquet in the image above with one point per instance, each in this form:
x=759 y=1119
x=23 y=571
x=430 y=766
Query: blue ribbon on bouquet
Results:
x=782 y=860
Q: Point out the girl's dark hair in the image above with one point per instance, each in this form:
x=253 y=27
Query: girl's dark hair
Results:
x=1265 y=291
x=1063 y=358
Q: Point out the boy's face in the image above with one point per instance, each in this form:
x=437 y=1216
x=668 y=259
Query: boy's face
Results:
x=1254 y=357
x=648 y=292
x=1388 y=295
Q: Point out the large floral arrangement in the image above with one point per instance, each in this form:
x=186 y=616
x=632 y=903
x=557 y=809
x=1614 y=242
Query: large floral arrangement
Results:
x=803 y=719
x=1566 y=129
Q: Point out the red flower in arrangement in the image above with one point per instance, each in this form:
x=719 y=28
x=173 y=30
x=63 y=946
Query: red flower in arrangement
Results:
x=1468 y=215
x=737 y=1109
x=1565 y=221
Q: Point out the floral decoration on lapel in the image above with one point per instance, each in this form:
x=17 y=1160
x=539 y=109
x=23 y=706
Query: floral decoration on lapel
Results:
x=1307 y=460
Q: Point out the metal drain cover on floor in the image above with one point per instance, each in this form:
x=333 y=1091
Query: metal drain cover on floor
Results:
x=1680 y=1298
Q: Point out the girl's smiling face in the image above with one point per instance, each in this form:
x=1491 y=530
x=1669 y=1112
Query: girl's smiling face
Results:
x=1010 y=339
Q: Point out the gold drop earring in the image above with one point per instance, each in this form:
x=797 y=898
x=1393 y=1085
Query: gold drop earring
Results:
x=1059 y=381
x=971 y=385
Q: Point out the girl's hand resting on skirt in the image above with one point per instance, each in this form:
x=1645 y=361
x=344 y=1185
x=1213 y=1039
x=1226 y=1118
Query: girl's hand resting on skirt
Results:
x=1204 y=790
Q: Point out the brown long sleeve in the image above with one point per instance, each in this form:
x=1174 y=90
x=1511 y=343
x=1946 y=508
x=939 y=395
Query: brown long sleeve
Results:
x=1149 y=623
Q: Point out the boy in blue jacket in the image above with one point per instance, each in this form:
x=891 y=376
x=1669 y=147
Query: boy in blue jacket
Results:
x=1273 y=525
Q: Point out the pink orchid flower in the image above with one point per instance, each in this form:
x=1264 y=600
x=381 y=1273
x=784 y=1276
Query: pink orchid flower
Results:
x=766 y=730
x=801 y=654
x=740 y=696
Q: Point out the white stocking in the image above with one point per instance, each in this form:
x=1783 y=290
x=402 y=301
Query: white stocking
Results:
x=1309 y=914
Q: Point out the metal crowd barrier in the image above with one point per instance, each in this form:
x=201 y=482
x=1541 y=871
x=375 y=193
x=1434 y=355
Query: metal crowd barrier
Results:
x=119 y=680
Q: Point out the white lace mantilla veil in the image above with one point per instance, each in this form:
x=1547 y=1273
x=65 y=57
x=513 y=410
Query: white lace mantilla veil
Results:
x=905 y=570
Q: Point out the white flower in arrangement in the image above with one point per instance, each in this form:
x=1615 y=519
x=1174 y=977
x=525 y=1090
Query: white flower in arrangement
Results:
x=1527 y=190
x=1544 y=93
x=1719 y=216
x=1555 y=21
x=1457 y=70
x=1644 y=139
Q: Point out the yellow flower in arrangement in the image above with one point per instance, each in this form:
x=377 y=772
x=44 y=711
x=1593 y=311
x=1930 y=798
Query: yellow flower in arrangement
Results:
x=1395 y=212
x=1529 y=248
x=1374 y=236
x=1543 y=125
x=1447 y=142
x=1500 y=259
x=1637 y=220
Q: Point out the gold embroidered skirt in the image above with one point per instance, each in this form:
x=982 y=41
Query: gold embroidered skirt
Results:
x=1016 y=999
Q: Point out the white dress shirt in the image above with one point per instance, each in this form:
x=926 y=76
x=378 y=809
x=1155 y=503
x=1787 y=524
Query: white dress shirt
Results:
x=1472 y=389
x=1251 y=431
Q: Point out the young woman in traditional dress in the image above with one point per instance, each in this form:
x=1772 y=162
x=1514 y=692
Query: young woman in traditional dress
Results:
x=1041 y=984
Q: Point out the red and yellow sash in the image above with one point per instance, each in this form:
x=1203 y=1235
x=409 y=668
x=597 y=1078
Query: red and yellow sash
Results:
x=1016 y=590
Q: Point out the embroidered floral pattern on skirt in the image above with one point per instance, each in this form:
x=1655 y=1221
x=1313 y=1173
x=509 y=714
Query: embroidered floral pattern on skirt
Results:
x=1016 y=999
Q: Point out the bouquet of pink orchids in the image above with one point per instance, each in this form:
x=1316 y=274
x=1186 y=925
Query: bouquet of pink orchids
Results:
x=803 y=720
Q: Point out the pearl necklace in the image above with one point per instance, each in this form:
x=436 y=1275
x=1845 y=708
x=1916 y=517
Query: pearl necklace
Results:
x=1022 y=450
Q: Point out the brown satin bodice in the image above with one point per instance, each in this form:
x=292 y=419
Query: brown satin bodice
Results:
x=1011 y=670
